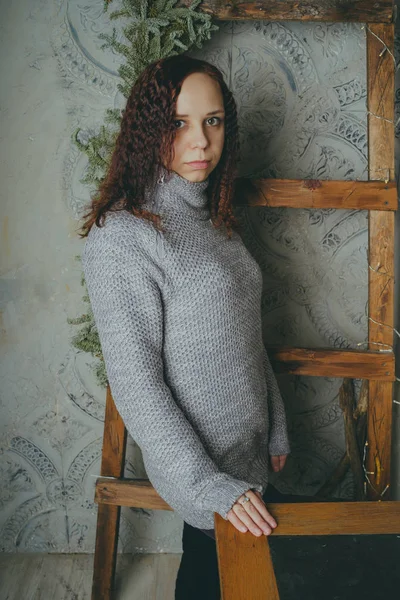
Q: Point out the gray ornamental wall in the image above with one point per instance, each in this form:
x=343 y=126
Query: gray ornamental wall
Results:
x=301 y=95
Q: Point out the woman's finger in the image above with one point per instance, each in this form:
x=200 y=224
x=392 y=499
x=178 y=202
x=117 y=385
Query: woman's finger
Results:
x=234 y=519
x=255 y=514
x=246 y=518
x=259 y=504
x=275 y=463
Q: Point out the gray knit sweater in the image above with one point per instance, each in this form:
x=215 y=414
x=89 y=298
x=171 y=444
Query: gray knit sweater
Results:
x=179 y=320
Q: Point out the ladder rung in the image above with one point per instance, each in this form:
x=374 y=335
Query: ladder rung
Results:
x=309 y=193
x=301 y=518
x=138 y=493
x=283 y=10
x=327 y=362
x=328 y=518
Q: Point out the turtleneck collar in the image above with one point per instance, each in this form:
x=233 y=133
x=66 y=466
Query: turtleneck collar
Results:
x=175 y=193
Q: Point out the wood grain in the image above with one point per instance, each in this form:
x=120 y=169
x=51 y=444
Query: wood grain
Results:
x=329 y=362
x=138 y=493
x=324 y=518
x=252 y=575
x=312 y=193
x=282 y=10
x=244 y=560
x=381 y=89
x=108 y=517
x=347 y=404
x=308 y=518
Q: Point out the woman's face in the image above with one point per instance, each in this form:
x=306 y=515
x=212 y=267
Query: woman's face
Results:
x=200 y=127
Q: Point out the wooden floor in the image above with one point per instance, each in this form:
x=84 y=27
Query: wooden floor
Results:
x=69 y=576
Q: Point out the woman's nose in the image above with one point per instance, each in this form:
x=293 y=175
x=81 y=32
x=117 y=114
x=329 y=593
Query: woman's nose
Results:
x=199 y=138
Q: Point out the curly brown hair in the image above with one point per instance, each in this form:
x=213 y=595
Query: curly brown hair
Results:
x=146 y=139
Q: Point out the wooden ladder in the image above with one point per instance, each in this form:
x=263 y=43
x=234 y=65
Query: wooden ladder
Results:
x=245 y=566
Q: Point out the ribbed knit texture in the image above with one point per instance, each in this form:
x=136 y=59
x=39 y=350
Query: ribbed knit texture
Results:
x=179 y=320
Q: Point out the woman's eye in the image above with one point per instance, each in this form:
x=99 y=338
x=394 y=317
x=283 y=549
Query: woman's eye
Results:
x=215 y=121
x=217 y=118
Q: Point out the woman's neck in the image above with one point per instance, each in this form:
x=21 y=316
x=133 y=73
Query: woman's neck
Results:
x=174 y=193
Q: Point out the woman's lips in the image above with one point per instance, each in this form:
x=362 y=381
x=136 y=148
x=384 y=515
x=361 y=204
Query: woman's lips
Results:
x=199 y=164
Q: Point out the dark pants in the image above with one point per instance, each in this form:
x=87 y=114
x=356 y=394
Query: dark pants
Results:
x=198 y=577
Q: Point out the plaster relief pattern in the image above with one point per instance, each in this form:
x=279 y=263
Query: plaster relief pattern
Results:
x=301 y=95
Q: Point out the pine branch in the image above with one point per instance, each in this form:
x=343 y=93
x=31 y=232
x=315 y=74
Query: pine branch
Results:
x=155 y=29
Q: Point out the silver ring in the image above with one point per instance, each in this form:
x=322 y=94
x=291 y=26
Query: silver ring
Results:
x=246 y=499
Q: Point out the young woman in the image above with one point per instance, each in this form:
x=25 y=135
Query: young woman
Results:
x=176 y=298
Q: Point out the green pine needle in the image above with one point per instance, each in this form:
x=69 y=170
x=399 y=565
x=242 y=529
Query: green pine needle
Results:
x=153 y=30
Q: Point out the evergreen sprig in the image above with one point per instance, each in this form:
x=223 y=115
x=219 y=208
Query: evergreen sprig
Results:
x=155 y=29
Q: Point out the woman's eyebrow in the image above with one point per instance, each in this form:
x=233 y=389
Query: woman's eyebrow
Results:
x=214 y=112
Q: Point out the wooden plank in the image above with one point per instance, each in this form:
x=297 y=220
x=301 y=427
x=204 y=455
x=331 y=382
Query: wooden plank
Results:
x=138 y=493
x=244 y=560
x=245 y=564
x=108 y=517
x=114 y=440
x=380 y=101
x=381 y=98
x=323 y=362
x=381 y=279
x=347 y=404
x=303 y=518
x=379 y=436
x=14 y=586
x=312 y=193
x=321 y=518
x=282 y=10
x=60 y=576
x=54 y=576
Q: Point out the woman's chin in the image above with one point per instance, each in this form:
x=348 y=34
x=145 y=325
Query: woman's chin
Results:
x=196 y=174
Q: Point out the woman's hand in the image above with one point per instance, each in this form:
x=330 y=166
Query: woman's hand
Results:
x=278 y=462
x=252 y=515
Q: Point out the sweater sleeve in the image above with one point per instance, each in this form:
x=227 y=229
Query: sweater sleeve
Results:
x=278 y=435
x=128 y=310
